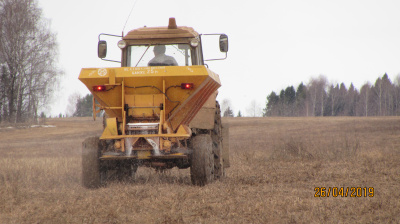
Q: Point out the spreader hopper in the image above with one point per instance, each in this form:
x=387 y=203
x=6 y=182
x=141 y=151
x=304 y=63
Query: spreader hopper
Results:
x=168 y=97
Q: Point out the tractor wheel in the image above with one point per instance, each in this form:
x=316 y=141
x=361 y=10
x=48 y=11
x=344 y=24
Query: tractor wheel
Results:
x=92 y=173
x=202 y=160
x=216 y=136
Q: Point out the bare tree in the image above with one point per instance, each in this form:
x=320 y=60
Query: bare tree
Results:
x=3 y=102
x=396 y=95
x=333 y=98
x=317 y=95
x=364 y=99
x=377 y=94
x=71 y=106
x=254 y=109
x=225 y=106
x=28 y=52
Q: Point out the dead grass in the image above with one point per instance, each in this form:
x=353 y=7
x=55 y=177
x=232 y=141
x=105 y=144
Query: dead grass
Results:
x=275 y=165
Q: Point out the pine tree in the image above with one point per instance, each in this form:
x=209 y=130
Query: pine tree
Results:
x=84 y=106
x=272 y=107
x=228 y=112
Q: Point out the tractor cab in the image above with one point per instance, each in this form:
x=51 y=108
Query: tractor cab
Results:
x=171 y=45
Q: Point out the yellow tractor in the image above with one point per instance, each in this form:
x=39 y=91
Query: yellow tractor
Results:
x=160 y=108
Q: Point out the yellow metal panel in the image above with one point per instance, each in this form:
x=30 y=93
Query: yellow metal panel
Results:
x=111 y=78
x=141 y=101
x=112 y=125
x=204 y=119
x=179 y=108
x=123 y=105
x=111 y=128
x=183 y=130
x=190 y=107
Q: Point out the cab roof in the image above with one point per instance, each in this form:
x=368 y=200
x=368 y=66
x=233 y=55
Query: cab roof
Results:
x=171 y=31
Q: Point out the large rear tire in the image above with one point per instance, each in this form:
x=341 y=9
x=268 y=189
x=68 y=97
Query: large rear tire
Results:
x=202 y=160
x=92 y=172
x=216 y=136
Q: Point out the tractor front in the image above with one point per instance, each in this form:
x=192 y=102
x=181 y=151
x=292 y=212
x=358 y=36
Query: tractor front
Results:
x=160 y=108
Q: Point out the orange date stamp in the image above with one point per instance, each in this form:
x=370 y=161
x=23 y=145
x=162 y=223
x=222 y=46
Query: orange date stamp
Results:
x=353 y=192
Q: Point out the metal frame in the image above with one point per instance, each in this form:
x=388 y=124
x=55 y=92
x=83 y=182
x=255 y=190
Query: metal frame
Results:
x=111 y=35
x=212 y=34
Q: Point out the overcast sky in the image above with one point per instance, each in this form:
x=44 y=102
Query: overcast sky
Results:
x=272 y=44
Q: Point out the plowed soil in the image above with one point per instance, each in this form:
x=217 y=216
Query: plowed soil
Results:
x=279 y=169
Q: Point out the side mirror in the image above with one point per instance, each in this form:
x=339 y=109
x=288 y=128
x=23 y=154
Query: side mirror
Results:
x=102 y=49
x=223 y=43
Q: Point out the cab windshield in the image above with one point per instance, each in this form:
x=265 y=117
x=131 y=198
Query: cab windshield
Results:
x=159 y=55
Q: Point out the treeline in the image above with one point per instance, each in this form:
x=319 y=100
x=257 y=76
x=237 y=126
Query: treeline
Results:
x=28 y=53
x=316 y=98
x=319 y=98
x=84 y=106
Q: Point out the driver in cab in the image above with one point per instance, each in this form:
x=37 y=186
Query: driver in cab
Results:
x=160 y=59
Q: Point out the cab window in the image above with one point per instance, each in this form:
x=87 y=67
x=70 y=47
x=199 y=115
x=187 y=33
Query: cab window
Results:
x=159 y=55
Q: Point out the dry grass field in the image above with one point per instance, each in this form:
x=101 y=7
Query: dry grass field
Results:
x=276 y=164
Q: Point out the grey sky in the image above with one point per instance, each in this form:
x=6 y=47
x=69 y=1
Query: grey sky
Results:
x=273 y=44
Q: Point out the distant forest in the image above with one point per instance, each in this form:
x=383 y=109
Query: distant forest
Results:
x=316 y=98
x=319 y=98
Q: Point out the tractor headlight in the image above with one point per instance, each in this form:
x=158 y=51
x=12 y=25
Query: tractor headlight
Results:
x=121 y=44
x=194 y=42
